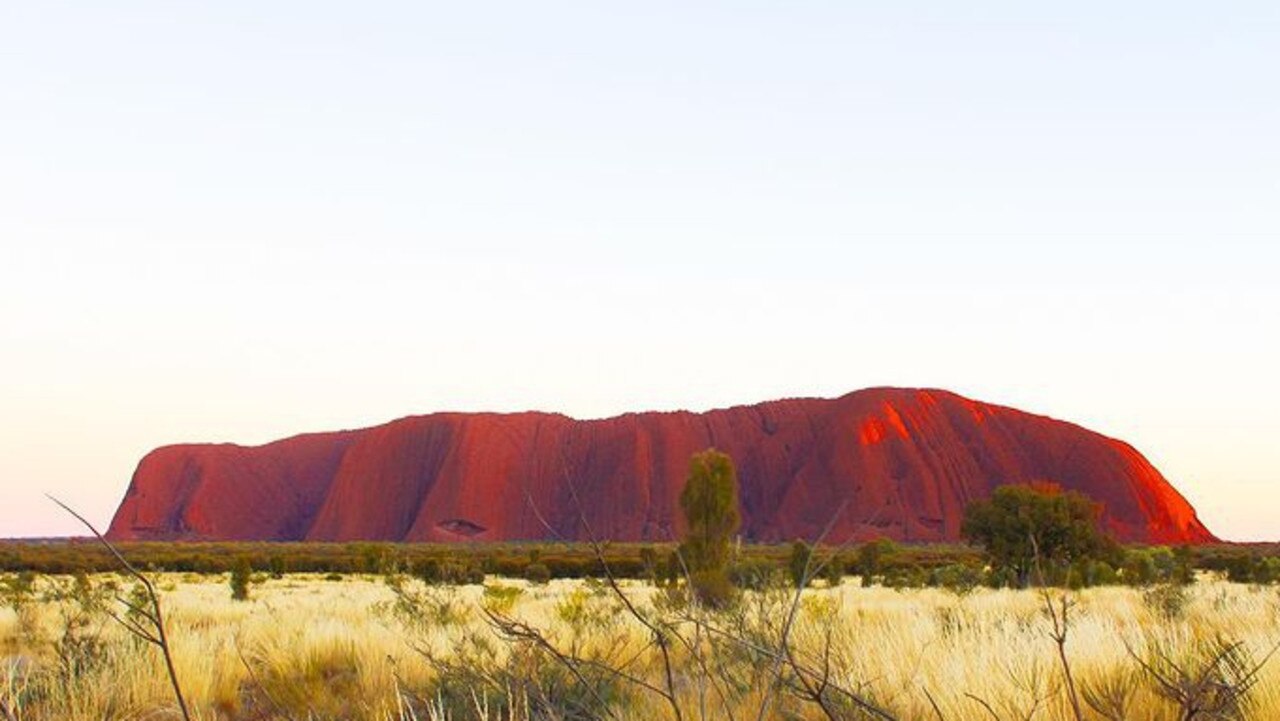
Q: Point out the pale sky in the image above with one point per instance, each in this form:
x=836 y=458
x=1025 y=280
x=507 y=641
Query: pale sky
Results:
x=247 y=220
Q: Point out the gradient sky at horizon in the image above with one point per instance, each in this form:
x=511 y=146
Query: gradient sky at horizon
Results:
x=243 y=221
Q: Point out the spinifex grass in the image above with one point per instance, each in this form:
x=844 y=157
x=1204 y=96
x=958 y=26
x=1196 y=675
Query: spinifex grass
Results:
x=306 y=647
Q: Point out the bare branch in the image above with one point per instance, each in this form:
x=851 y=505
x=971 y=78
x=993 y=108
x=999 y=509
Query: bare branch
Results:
x=784 y=641
x=984 y=705
x=160 y=638
x=937 y=712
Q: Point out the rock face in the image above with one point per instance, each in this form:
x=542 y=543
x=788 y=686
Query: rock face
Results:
x=884 y=462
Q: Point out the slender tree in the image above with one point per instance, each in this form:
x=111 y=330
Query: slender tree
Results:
x=710 y=505
x=241 y=575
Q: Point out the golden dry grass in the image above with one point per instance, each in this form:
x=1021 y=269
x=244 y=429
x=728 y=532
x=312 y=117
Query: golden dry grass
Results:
x=304 y=646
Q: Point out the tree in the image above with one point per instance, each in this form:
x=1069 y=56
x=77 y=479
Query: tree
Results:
x=798 y=564
x=649 y=564
x=1025 y=525
x=834 y=570
x=241 y=575
x=871 y=557
x=277 y=566
x=710 y=504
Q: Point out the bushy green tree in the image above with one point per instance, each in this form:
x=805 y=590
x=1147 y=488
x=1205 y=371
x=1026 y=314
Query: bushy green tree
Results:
x=1032 y=529
x=710 y=505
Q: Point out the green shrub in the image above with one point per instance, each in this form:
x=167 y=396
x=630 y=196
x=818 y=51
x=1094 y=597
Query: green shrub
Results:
x=1140 y=568
x=957 y=578
x=834 y=571
x=798 y=564
x=1184 y=565
x=1168 y=600
x=755 y=574
x=1001 y=578
x=537 y=573
x=82 y=612
x=585 y=612
x=451 y=572
x=17 y=590
x=1100 y=573
x=422 y=606
x=501 y=599
x=908 y=576
x=276 y=566
x=713 y=588
x=871 y=559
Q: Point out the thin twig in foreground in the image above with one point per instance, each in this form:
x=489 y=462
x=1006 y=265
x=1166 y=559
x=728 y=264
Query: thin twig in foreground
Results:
x=160 y=638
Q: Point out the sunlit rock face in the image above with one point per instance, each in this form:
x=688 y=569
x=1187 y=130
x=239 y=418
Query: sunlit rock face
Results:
x=883 y=462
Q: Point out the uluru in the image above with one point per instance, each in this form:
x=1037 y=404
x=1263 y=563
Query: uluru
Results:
x=882 y=462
